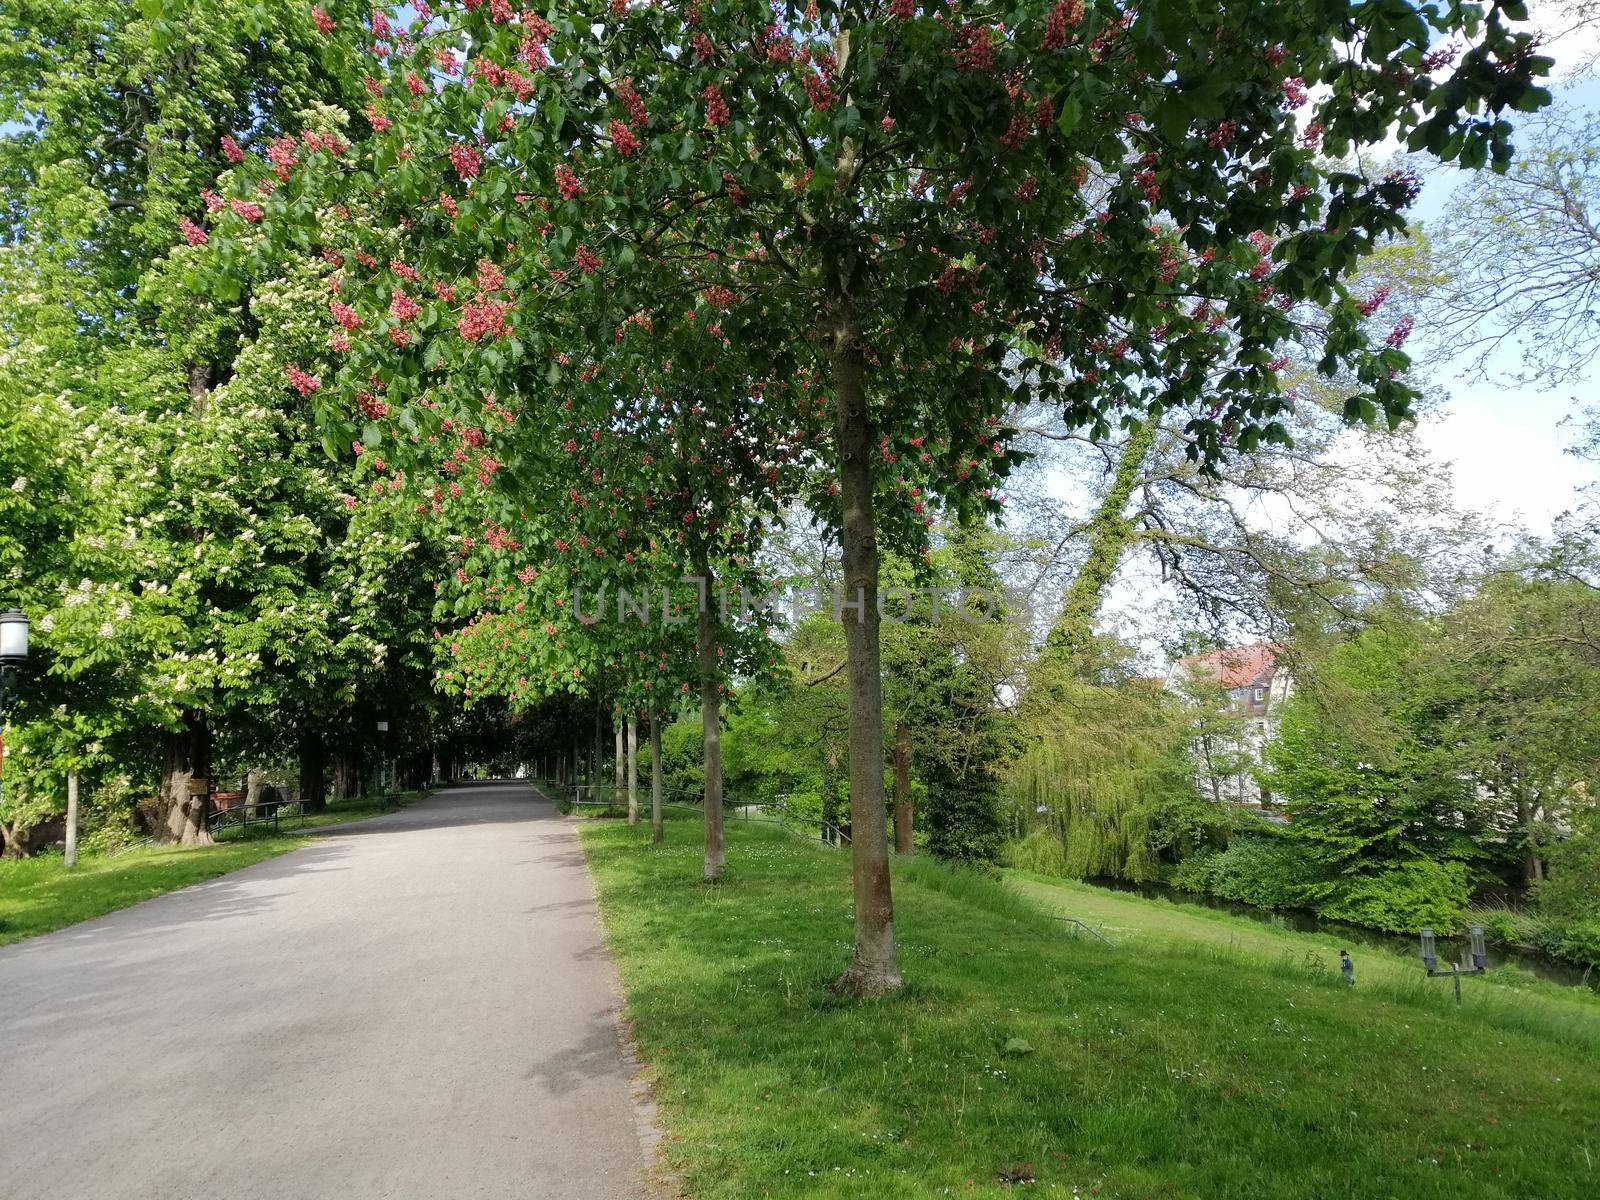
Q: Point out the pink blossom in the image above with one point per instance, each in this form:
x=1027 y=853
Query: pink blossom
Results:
x=192 y=233
x=623 y=139
x=300 y=380
x=247 y=210
x=485 y=318
x=231 y=150
x=465 y=159
x=568 y=183
x=402 y=307
x=324 y=23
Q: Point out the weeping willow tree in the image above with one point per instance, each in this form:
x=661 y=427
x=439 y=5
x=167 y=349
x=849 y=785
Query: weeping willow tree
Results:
x=1103 y=756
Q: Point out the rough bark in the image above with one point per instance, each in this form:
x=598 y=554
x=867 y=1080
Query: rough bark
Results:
x=313 y=758
x=181 y=812
x=902 y=789
x=710 y=720
x=658 y=829
x=873 y=968
x=633 y=769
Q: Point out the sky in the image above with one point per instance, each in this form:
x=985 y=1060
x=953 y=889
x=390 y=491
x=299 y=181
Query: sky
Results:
x=1507 y=444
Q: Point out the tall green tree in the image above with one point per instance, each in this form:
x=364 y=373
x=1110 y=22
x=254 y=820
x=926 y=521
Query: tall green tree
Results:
x=892 y=200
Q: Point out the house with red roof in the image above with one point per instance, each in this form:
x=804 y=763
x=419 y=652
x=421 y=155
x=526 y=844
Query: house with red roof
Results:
x=1249 y=685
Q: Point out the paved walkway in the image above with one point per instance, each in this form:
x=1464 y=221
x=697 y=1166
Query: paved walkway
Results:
x=419 y=1005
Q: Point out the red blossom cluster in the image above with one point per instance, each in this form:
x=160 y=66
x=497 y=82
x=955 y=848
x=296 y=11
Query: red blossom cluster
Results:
x=1294 y=92
x=1065 y=15
x=623 y=139
x=192 y=233
x=466 y=160
x=1372 y=303
x=324 y=23
x=231 y=150
x=973 y=48
x=1222 y=136
x=300 y=380
x=716 y=106
x=819 y=90
x=483 y=318
x=402 y=307
x=588 y=261
x=568 y=183
x=247 y=210
x=637 y=116
x=347 y=317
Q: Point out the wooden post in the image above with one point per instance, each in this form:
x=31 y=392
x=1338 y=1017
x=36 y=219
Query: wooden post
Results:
x=72 y=818
x=633 y=769
x=621 y=763
x=657 y=829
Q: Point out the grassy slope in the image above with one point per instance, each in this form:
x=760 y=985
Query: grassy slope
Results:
x=39 y=894
x=1179 y=1066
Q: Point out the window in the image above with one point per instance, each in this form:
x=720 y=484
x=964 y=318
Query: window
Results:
x=1261 y=694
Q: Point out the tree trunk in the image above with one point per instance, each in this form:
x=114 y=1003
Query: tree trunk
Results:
x=72 y=819
x=658 y=830
x=710 y=720
x=1109 y=533
x=902 y=789
x=346 y=774
x=313 y=760
x=633 y=769
x=181 y=815
x=620 y=765
x=873 y=968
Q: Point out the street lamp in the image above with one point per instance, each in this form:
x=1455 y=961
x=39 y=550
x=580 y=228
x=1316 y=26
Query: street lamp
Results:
x=383 y=762
x=13 y=653
x=1480 y=958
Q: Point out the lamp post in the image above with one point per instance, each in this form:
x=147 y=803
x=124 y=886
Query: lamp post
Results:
x=383 y=764
x=1479 y=952
x=13 y=654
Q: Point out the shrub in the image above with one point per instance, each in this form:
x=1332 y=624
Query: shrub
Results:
x=1402 y=897
x=1265 y=870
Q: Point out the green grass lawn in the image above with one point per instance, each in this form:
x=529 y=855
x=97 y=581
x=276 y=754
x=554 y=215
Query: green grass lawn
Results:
x=39 y=894
x=1191 y=1060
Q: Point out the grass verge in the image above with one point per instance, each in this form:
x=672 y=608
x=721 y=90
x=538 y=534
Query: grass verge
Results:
x=39 y=894
x=1173 y=1066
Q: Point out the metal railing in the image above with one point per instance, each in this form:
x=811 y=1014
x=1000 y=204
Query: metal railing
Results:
x=237 y=816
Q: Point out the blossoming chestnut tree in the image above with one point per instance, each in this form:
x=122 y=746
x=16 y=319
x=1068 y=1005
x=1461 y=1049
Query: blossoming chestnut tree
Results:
x=938 y=209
